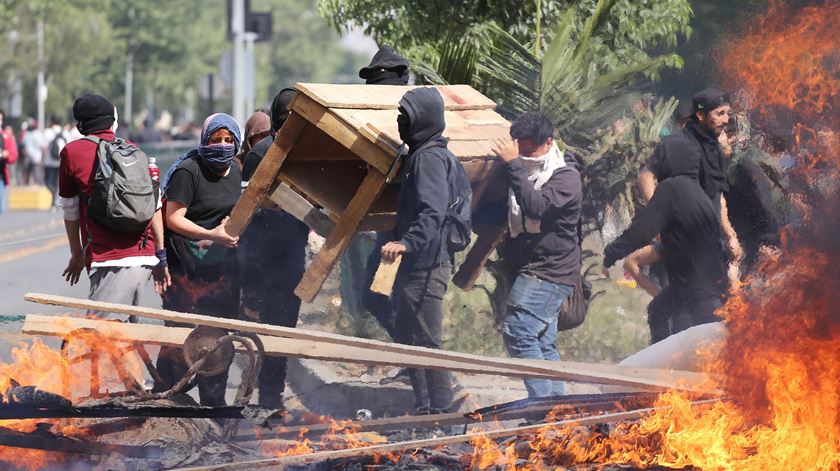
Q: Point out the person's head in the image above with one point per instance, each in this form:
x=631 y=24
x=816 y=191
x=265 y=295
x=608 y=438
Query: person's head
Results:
x=534 y=133
x=711 y=110
x=220 y=141
x=683 y=113
x=257 y=127
x=2 y=115
x=93 y=113
x=55 y=121
x=421 y=116
x=280 y=108
x=386 y=68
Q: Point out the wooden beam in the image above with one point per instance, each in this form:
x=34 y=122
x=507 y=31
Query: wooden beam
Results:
x=343 y=132
x=421 y=444
x=296 y=205
x=488 y=238
x=265 y=175
x=387 y=97
x=560 y=370
x=340 y=237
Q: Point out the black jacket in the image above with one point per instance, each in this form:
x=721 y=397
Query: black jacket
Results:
x=703 y=152
x=424 y=193
x=684 y=216
x=554 y=254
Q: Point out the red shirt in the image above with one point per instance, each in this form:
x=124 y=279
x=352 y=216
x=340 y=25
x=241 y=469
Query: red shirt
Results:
x=75 y=178
x=9 y=145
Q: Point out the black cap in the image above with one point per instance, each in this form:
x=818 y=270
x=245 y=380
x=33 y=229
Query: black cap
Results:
x=386 y=68
x=709 y=99
x=280 y=108
x=684 y=110
x=93 y=112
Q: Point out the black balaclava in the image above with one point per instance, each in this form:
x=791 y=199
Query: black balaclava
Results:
x=421 y=117
x=386 y=68
x=93 y=113
x=280 y=108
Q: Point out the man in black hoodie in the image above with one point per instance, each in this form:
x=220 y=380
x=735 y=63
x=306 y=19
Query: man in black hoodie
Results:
x=688 y=223
x=543 y=245
x=698 y=141
x=421 y=225
x=273 y=252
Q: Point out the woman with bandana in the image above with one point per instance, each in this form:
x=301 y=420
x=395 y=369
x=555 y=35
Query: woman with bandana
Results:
x=200 y=190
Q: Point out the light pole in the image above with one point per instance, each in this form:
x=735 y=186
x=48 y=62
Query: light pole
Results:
x=41 y=93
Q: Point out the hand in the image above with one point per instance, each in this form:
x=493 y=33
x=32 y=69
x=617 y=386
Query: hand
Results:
x=162 y=279
x=74 y=269
x=392 y=250
x=605 y=271
x=220 y=236
x=506 y=148
x=723 y=139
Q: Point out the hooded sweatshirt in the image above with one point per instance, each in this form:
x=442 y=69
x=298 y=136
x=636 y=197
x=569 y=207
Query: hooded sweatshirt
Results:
x=386 y=68
x=689 y=225
x=424 y=190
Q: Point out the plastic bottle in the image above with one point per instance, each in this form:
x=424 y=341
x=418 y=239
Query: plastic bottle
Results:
x=154 y=170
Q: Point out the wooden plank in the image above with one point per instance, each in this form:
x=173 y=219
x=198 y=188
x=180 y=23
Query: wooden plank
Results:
x=291 y=202
x=331 y=186
x=36 y=324
x=340 y=237
x=343 y=132
x=488 y=238
x=387 y=97
x=386 y=274
x=428 y=443
x=265 y=175
x=605 y=374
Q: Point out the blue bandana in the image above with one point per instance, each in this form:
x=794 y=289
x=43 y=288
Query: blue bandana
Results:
x=217 y=157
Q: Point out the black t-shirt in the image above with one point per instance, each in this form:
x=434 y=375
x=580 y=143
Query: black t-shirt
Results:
x=207 y=196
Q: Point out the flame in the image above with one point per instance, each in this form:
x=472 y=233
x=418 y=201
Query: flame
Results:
x=341 y=434
x=780 y=362
x=38 y=365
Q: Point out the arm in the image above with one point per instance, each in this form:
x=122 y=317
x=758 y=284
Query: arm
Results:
x=69 y=201
x=635 y=261
x=176 y=217
x=77 y=256
x=647 y=183
x=430 y=178
x=160 y=272
x=649 y=222
x=729 y=232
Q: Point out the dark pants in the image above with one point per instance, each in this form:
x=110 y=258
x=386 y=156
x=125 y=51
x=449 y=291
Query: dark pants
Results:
x=214 y=292
x=51 y=180
x=676 y=309
x=419 y=303
x=273 y=257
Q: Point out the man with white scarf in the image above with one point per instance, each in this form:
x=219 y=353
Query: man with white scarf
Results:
x=545 y=193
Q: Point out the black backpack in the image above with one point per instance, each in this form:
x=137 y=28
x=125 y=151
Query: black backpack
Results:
x=55 y=147
x=459 y=212
x=124 y=196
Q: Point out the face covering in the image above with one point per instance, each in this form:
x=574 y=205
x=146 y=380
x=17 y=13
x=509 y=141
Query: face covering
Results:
x=403 y=124
x=217 y=157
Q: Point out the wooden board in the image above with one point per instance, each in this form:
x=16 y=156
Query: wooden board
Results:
x=340 y=237
x=386 y=274
x=265 y=175
x=601 y=374
x=387 y=97
x=290 y=201
x=342 y=132
x=488 y=237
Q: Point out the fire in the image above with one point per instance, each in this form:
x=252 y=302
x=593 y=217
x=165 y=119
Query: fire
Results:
x=780 y=363
x=39 y=365
x=342 y=434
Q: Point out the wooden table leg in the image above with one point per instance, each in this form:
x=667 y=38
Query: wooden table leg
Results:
x=265 y=175
x=340 y=236
x=488 y=238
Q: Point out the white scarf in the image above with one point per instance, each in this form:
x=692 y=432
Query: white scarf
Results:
x=539 y=169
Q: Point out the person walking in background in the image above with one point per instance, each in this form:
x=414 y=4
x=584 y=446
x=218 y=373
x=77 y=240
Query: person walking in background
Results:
x=34 y=146
x=273 y=252
x=257 y=128
x=8 y=157
x=56 y=140
x=200 y=189
x=543 y=245
x=123 y=266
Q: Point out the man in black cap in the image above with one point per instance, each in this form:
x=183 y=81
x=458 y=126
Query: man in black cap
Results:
x=273 y=254
x=359 y=262
x=121 y=265
x=700 y=141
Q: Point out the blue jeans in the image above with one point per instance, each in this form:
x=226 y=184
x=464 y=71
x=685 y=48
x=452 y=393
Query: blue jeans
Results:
x=530 y=326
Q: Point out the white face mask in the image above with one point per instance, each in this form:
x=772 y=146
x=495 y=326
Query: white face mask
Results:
x=116 y=124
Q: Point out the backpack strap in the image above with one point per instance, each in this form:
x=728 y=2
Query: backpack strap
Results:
x=92 y=138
